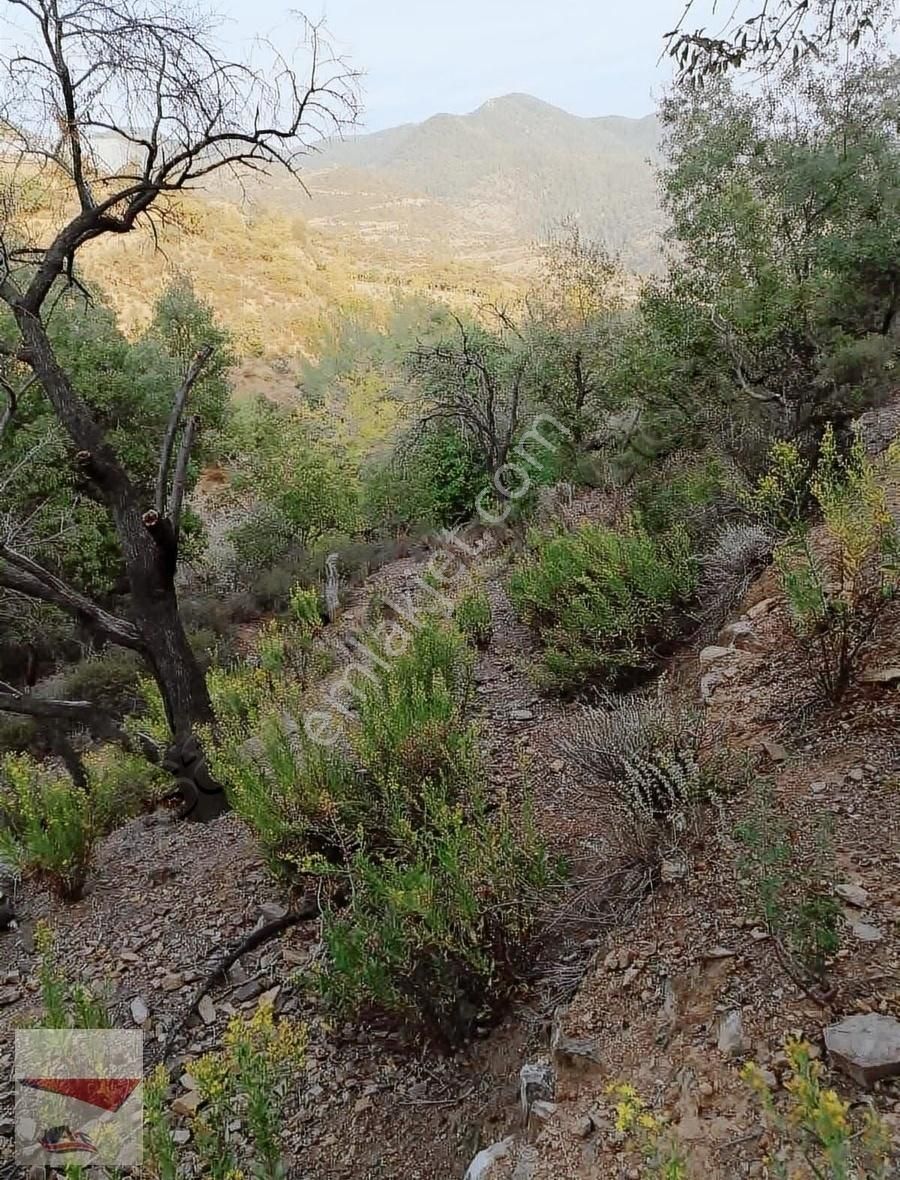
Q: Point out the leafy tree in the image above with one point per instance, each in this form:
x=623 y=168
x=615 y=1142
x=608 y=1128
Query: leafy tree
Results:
x=200 y=113
x=573 y=324
x=785 y=217
x=767 y=33
x=297 y=487
x=432 y=478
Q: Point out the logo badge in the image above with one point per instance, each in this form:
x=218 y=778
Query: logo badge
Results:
x=79 y=1096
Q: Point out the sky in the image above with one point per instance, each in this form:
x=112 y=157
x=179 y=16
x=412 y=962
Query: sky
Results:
x=421 y=57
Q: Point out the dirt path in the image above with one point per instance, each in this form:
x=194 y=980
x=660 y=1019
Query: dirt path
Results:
x=165 y=898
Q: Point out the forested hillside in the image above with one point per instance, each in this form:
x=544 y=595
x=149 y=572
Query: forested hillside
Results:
x=449 y=682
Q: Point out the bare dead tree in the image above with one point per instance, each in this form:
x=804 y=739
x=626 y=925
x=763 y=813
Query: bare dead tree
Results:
x=111 y=108
x=769 y=33
x=332 y=586
x=477 y=382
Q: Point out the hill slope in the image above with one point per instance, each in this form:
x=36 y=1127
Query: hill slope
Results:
x=488 y=183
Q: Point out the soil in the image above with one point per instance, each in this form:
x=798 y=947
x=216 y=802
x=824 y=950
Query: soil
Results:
x=631 y=988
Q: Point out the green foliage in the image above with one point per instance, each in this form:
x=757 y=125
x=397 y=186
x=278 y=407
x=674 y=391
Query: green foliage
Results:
x=573 y=328
x=129 y=385
x=247 y=1081
x=305 y=610
x=816 y=1126
x=294 y=486
x=438 y=932
x=411 y=731
x=432 y=479
x=66 y=1005
x=472 y=615
x=602 y=598
x=52 y=826
x=688 y=491
x=782 y=208
x=837 y=587
x=110 y=680
x=439 y=884
x=790 y=878
x=296 y=795
x=812 y=1132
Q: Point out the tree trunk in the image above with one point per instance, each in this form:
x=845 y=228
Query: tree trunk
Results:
x=150 y=554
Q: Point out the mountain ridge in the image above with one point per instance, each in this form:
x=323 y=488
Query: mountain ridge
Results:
x=489 y=183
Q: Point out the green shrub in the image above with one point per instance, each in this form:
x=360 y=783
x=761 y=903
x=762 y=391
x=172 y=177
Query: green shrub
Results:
x=122 y=784
x=411 y=722
x=433 y=479
x=440 y=932
x=837 y=590
x=305 y=610
x=16 y=733
x=602 y=599
x=261 y=540
x=300 y=798
x=52 y=826
x=687 y=491
x=110 y=680
x=472 y=615
x=438 y=885
x=790 y=879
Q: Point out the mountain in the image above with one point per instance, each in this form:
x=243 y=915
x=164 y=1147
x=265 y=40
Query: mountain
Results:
x=488 y=184
x=448 y=209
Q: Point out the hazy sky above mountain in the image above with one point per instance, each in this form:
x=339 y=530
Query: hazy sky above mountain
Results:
x=592 y=57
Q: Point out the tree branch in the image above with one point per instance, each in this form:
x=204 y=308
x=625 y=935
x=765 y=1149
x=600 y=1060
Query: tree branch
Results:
x=78 y=712
x=168 y=444
x=180 y=477
x=12 y=400
x=22 y=574
x=75 y=713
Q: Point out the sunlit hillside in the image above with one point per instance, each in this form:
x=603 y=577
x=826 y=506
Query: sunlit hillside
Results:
x=277 y=284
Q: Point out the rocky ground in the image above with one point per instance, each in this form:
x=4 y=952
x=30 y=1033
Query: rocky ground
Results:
x=669 y=989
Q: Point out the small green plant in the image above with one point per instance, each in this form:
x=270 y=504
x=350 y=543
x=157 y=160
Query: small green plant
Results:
x=247 y=1080
x=288 y=653
x=160 y=1149
x=663 y=1156
x=791 y=876
x=472 y=615
x=816 y=1136
x=812 y=1133
x=781 y=497
x=252 y=1073
x=603 y=598
x=304 y=609
x=65 y=1005
x=52 y=825
x=838 y=589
